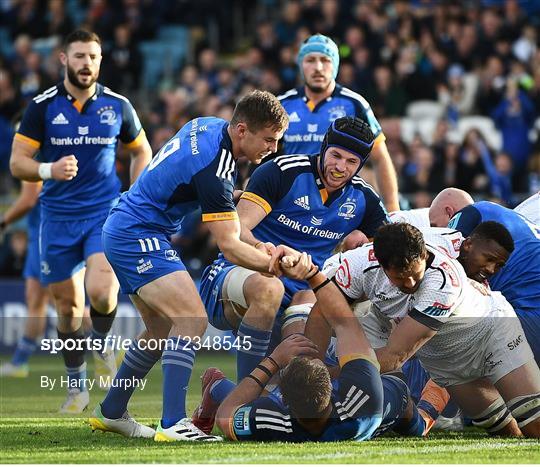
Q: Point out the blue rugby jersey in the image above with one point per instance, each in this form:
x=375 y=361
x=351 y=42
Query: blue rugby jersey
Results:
x=519 y=279
x=357 y=411
x=194 y=168
x=301 y=214
x=56 y=123
x=308 y=124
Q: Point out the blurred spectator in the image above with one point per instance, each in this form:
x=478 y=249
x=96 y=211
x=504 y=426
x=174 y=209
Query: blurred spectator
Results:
x=417 y=174
x=27 y=17
x=491 y=85
x=514 y=116
x=470 y=172
x=267 y=42
x=124 y=64
x=32 y=78
x=457 y=94
x=10 y=101
x=387 y=98
x=58 y=21
x=13 y=254
x=291 y=20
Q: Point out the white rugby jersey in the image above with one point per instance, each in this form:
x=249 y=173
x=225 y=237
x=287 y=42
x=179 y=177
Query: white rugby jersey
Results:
x=445 y=294
x=417 y=217
x=530 y=208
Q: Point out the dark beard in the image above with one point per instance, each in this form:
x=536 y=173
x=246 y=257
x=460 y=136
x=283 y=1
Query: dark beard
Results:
x=74 y=80
x=317 y=89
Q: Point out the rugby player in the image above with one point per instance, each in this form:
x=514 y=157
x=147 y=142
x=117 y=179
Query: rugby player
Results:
x=424 y=304
x=311 y=202
x=76 y=126
x=197 y=167
x=307 y=406
x=316 y=104
x=36 y=295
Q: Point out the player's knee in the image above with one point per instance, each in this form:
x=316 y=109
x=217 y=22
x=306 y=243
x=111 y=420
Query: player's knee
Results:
x=302 y=297
x=526 y=411
x=267 y=292
x=102 y=299
x=495 y=418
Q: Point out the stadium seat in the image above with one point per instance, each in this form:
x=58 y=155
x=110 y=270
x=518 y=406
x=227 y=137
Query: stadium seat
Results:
x=407 y=129
x=425 y=109
x=485 y=125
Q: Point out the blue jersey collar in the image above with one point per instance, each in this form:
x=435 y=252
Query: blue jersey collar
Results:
x=302 y=93
x=64 y=92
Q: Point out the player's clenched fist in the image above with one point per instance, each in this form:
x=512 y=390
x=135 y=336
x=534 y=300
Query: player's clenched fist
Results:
x=65 y=168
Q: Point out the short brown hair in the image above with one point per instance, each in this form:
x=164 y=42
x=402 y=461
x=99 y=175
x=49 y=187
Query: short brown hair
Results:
x=398 y=246
x=306 y=387
x=81 y=35
x=260 y=109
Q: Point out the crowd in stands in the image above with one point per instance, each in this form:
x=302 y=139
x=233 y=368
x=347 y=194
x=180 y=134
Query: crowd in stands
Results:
x=455 y=85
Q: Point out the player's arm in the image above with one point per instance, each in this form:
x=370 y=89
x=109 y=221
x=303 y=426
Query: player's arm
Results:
x=134 y=140
x=385 y=174
x=250 y=214
x=24 y=167
x=265 y=188
x=252 y=386
x=403 y=343
x=351 y=340
x=140 y=157
x=26 y=200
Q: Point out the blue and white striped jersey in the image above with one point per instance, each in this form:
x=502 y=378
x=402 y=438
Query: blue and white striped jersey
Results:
x=196 y=168
x=308 y=124
x=57 y=125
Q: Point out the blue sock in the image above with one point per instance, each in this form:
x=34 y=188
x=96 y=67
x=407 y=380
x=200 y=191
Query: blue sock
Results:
x=136 y=365
x=78 y=374
x=414 y=427
x=97 y=339
x=247 y=360
x=177 y=364
x=25 y=348
x=221 y=389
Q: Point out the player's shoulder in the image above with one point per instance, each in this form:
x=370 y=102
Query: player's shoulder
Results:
x=443 y=273
x=289 y=95
x=293 y=164
x=108 y=93
x=263 y=415
x=444 y=239
x=43 y=99
x=358 y=183
x=353 y=96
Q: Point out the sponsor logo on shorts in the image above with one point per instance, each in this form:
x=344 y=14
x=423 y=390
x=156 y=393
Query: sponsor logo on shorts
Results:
x=45 y=269
x=144 y=266
x=171 y=255
x=515 y=342
x=490 y=363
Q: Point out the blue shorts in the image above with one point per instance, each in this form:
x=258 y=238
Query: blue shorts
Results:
x=31 y=264
x=530 y=322
x=139 y=261
x=64 y=246
x=210 y=291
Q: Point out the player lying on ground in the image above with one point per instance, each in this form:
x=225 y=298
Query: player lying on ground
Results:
x=423 y=304
x=306 y=405
x=310 y=202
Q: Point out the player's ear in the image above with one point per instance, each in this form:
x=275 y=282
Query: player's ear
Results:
x=241 y=129
x=466 y=245
x=63 y=58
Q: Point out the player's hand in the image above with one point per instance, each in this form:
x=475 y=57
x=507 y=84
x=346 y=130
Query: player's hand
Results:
x=297 y=267
x=294 y=345
x=277 y=260
x=65 y=169
x=266 y=247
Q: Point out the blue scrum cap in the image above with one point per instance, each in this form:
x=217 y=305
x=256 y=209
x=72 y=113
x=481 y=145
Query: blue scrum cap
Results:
x=352 y=134
x=320 y=44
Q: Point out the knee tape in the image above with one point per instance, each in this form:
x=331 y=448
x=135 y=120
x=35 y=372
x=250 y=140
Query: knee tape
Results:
x=525 y=409
x=494 y=418
x=296 y=313
x=235 y=285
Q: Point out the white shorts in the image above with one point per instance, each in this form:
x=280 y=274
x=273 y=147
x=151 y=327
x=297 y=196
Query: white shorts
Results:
x=491 y=348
